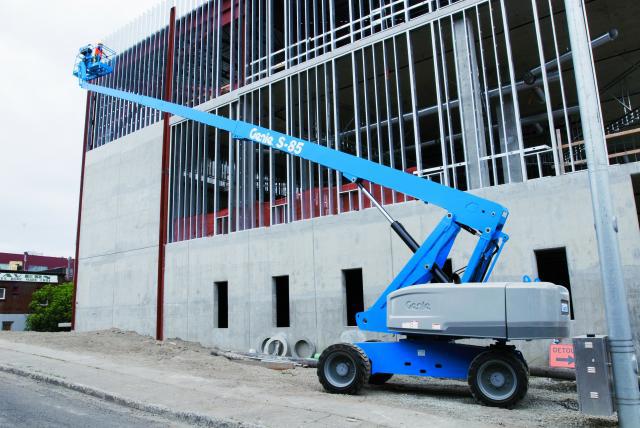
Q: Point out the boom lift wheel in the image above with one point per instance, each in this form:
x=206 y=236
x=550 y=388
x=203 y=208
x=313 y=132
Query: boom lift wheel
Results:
x=498 y=378
x=343 y=368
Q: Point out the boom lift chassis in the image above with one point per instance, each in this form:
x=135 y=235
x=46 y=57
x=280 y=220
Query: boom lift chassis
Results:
x=497 y=374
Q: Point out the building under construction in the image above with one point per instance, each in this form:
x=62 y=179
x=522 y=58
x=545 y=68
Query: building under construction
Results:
x=235 y=243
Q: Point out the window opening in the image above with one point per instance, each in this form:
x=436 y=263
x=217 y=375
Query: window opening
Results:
x=221 y=304
x=635 y=184
x=281 y=300
x=353 y=287
x=553 y=267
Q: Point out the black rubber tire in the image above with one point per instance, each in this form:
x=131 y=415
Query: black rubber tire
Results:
x=357 y=360
x=379 y=378
x=504 y=358
x=524 y=362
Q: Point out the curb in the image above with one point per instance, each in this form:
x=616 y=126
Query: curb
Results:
x=155 y=409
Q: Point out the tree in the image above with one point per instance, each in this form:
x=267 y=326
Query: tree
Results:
x=49 y=306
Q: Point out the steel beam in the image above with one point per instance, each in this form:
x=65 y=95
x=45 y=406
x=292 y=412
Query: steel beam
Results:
x=85 y=141
x=164 y=185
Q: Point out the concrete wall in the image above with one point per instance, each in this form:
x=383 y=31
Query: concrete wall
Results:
x=19 y=321
x=118 y=255
x=545 y=213
x=117 y=270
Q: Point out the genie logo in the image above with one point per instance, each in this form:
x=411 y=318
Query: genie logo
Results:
x=418 y=306
x=260 y=137
x=282 y=142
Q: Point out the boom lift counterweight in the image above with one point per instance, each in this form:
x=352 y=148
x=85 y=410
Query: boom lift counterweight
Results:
x=425 y=311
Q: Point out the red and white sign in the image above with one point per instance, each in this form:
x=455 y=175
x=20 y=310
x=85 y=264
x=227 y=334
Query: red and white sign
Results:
x=28 y=277
x=561 y=355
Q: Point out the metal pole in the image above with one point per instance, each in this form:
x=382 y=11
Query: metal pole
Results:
x=625 y=366
x=85 y=141
x=164 y=185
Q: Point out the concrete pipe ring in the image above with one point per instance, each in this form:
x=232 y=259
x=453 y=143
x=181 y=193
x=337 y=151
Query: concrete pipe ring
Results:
x=277 y=346
x=262 y=343
x=280 y=335
x=303 y=348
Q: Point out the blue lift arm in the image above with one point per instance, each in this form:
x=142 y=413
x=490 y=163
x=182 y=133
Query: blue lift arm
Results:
x=476 y=215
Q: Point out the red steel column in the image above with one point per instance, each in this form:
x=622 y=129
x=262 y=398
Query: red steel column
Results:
x=164 y=185
x=75 y=262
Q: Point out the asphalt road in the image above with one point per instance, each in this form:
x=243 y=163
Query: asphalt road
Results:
x=28 y=403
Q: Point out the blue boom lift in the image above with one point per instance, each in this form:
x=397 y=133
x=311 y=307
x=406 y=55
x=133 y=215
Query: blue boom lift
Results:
x=426 y=310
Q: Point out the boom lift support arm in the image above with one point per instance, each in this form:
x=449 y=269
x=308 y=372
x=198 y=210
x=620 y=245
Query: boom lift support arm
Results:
x=464 y=211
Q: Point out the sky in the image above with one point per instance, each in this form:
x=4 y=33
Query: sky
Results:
x=42 y=116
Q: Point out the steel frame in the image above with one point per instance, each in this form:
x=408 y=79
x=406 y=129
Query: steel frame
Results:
x=229 y=58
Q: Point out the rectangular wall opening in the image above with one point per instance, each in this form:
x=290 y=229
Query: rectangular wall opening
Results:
x=635 y=183
x=353 y=290
x=281 y=300
x=221 y=304
x=553 y=267
x=6 y=325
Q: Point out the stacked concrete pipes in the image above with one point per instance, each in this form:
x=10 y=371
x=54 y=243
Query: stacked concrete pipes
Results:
x=280 y=345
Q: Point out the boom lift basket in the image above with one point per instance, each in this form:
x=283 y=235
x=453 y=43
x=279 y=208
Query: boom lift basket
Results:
x=89 y=67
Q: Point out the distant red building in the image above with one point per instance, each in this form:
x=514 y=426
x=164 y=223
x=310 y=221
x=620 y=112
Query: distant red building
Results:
x=35 y=263
x=20 y=276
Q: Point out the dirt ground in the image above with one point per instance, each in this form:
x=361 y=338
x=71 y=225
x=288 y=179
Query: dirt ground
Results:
x=548 y=403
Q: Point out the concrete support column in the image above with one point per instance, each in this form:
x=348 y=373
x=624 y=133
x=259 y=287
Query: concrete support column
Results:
x=470 y=96
x=508 y=133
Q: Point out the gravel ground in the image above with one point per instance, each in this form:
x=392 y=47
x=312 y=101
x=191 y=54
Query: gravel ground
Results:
x=548 y=403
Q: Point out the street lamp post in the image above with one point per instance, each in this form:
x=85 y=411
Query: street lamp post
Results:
x=625 y=366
